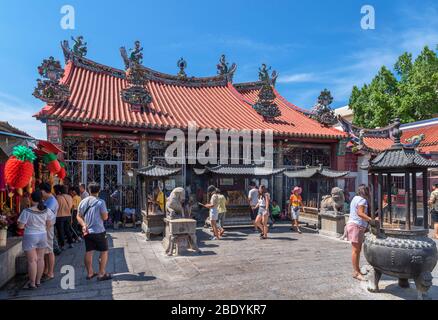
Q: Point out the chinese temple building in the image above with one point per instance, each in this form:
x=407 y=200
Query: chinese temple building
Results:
x=111 y=122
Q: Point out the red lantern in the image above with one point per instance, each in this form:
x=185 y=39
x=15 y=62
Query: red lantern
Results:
x=52 y=163
x=62 y=173
x=19 y=167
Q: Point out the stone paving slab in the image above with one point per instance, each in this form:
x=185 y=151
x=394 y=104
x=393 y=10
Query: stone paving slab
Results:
x=241 y=266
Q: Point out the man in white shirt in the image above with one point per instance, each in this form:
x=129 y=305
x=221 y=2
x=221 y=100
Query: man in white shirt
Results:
x=253 y=198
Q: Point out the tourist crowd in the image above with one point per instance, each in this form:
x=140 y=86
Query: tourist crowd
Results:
x=264 y=212
x=55 y=219
x=58 y=217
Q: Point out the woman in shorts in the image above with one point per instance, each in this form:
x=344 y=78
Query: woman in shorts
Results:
x=357 y=225
x=35 y=221
x=213 y=211
x=295 y=205
x=263 y=212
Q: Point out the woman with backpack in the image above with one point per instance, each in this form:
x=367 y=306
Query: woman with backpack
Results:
x=35 y=221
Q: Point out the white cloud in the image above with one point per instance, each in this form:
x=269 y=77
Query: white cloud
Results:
x=298 y=77
x=20 y=115
x=385 y=46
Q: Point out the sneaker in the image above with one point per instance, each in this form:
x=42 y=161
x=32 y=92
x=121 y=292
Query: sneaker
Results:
x=70 y=246
x=213 y=238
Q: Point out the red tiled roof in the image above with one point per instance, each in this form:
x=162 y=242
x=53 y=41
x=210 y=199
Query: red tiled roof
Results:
x=95 y=99
x=428 y=145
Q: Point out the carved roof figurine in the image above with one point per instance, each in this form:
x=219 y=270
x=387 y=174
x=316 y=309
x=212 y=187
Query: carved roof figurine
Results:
x=265 y=105
x=136 y=55
x=80 y=47
x=222 y=67
x=182 y=64
x=50 y=90
x=322 y=111
x=415 y=141
x=263 y=73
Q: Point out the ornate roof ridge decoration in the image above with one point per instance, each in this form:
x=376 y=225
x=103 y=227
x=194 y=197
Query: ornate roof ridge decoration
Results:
x=257 y=85
x=182 y=65
x=224 y=69
x=136 y=94
x=265 y=105
x=49 y=89
x=82 y=62
x=322 y=112
x=348 y=127
x=183 y=80
x=150 y=74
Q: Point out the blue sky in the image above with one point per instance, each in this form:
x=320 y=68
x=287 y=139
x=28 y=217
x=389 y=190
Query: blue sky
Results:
x=312 y=44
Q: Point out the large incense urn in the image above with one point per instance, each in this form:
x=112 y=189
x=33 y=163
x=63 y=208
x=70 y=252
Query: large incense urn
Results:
x=399 y=246
x=404 y=254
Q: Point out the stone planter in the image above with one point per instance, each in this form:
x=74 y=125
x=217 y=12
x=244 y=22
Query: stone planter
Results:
x=180 y=235
x=404 y=254
x=3 y=237
x=332 y=224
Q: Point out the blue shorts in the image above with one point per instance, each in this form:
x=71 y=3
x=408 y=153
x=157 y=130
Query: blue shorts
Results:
x=262 y=211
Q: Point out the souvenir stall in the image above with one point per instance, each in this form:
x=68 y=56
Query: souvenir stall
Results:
x=24 y=165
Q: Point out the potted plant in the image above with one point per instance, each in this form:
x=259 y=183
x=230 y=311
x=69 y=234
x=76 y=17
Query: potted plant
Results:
x=3 y=230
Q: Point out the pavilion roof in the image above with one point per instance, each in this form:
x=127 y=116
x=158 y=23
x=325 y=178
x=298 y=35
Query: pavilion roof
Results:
x=210 y=102
x=240 y=170
x=400 y=157
x=312 y=172
x=155 y=171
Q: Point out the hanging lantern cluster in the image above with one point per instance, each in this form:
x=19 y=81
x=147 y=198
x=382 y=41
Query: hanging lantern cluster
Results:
x=19 y=167
x=52 y=163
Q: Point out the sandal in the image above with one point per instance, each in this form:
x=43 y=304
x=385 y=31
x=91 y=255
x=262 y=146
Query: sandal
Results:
x=106 y=276
x=359 y=277
x=93 y=276
x=46 y=278
x=29 y=287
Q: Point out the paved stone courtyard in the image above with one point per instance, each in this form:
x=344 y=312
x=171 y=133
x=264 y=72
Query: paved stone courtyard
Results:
x=241 y=266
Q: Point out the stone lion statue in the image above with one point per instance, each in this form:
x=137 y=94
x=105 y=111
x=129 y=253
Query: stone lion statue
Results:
x=175 y=204
x=334 y=202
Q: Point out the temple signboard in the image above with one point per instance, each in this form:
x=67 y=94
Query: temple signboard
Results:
x=54 y=132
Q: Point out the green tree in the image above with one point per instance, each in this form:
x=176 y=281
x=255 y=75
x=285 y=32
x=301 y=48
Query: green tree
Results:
x=412 y=95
